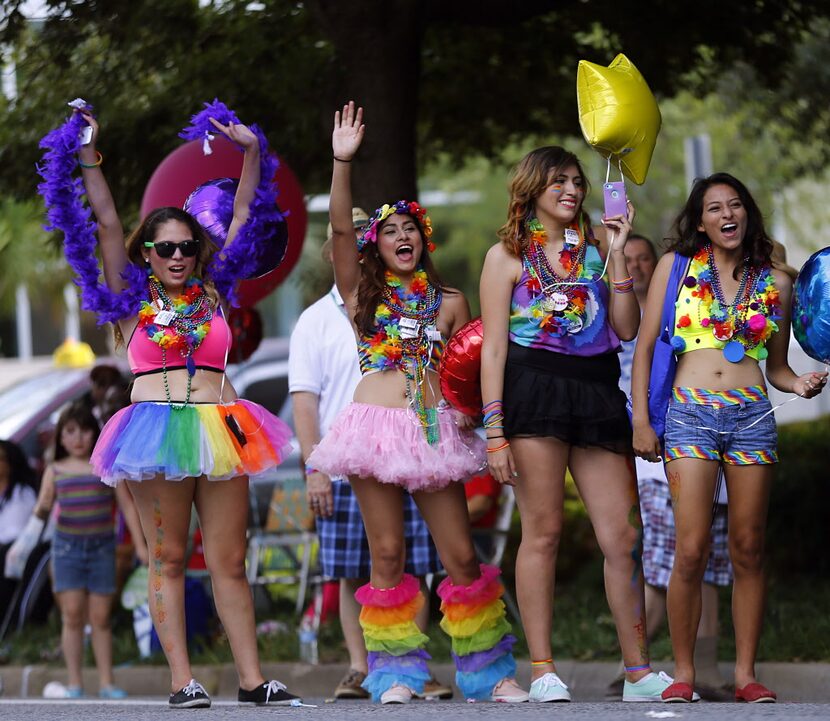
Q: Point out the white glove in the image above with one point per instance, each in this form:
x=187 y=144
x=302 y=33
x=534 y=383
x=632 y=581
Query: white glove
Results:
x=21 y=549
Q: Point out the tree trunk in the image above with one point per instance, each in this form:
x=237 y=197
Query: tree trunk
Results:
x=378 y=45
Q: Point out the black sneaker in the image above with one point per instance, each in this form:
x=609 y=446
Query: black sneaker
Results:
x=191 y=696
x=271 y=693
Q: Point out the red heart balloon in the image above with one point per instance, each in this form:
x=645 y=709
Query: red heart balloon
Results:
x=460 y=369
x=186 y=168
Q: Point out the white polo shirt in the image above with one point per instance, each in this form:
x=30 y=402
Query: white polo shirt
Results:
x=322 y=356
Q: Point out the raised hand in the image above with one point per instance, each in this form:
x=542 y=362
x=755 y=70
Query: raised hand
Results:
x=619 y=226
x=93 y=123
x=348 y=132
x=237 y=133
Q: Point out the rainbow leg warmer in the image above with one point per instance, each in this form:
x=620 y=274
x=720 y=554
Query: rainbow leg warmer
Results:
x=394 y=642
x=482 y=646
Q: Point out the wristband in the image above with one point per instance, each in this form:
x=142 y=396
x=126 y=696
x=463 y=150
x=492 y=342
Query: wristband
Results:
x=342 y=160
x=96 y=164
x=309 y=470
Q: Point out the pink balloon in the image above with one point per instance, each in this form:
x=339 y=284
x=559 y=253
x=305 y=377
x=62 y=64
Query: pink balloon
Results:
x=187 y=168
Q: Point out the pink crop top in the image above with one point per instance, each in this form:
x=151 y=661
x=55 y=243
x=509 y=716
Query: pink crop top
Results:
x=144 y=356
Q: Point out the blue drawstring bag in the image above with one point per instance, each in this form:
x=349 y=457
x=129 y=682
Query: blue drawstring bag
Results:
x=664 y=361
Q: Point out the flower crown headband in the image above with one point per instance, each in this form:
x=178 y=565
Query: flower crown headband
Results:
x=402 y=207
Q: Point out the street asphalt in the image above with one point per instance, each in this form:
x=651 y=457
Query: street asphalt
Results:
x=147 y=709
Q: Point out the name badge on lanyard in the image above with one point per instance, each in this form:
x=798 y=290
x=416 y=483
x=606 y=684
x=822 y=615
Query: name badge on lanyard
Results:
x=164 y=317
x=433 y=333
x=410 y=328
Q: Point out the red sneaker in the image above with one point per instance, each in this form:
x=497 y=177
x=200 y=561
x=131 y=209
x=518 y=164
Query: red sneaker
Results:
x=755 y=693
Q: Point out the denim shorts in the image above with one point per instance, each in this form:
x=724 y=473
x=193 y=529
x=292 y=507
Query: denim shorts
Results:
x=734 y=426
x=84 y=564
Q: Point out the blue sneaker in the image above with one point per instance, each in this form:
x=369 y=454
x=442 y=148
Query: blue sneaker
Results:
x=649 y=689
x=74 y=692
x=112 y=692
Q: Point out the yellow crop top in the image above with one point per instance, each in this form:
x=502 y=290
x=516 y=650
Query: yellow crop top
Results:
x=704 y=320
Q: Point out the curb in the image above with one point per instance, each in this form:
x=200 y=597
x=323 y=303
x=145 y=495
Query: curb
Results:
x=801 y=682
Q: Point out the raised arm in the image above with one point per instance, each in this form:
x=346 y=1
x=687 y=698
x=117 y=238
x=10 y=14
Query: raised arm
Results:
x=624 y=311
x=110 y=231
x=250 y=177
x=345 y=141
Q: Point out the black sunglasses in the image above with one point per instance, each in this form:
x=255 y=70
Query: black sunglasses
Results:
x=166 y=248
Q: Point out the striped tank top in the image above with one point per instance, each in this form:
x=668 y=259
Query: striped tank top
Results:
x=86 y=506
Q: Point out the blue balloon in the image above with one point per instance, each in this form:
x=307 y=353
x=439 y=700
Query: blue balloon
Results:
x=212 y=206
x=811 y=306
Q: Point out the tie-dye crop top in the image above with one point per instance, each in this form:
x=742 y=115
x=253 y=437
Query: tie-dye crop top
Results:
x=581 y=329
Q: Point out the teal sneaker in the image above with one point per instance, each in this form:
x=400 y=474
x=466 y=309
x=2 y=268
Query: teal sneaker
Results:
x=112 y=692
x=74 y=692
x=648 y=689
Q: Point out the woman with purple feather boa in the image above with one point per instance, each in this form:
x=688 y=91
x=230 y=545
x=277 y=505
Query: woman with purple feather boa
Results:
x=186 y=438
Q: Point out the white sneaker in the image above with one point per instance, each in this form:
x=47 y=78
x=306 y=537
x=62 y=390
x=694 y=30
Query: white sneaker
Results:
x=549 y=688
x=397 y=694
x=508 y=691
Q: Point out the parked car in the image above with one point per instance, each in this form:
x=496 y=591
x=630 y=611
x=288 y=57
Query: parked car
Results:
x=263 y=379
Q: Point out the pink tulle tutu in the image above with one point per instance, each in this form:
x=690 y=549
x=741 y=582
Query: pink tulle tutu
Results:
x=388 y=444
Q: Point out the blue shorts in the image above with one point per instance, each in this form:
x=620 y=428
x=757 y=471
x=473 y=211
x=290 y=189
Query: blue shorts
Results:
x=733 y=426
x=344 y=549
x=84 y=564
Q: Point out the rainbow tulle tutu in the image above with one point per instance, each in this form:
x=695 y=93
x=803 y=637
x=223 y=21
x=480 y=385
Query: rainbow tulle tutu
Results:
x=144 y=440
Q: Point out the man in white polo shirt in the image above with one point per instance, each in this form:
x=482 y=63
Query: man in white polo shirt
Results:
x=323 y=372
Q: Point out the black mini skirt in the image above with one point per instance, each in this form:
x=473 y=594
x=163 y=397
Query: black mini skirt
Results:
x=573 y=398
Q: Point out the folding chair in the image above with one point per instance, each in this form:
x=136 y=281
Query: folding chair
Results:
x=283 y=552
x=498 y=536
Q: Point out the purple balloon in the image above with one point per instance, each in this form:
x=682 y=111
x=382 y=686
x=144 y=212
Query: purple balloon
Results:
x=212 y=206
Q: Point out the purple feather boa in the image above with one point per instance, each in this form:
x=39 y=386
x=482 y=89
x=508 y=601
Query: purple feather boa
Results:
x=63 y=196
x=65 y=210
x=240 y=259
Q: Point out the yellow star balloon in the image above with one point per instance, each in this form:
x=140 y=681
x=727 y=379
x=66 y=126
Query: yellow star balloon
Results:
x=618 y=114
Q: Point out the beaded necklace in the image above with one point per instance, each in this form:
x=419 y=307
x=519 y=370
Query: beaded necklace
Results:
x=178 y=324
x=405 y=324
x=561 y=300
x=729 y=322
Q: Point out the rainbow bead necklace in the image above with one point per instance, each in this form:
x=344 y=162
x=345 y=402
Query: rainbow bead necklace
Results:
x=561 y=300
x=178 y=324
x=729 y=321
x=404 y=321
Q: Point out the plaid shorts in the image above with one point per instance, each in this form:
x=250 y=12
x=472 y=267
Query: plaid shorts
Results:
x=344 y=550
x=659 y=538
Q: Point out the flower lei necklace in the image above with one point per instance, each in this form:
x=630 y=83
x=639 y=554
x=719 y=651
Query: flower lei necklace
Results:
x=405 y=324
x=178 y=324
x=729 y=322
x=562 y=300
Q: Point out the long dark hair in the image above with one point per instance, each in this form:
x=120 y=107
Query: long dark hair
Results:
x=20 y=472
x=530 y=177
x=147 y=230
x=81 y=413
x=686 y=239
x=373 y=281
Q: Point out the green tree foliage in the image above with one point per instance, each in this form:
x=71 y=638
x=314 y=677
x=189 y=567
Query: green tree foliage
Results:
x=25 y=256
x=462 y=77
